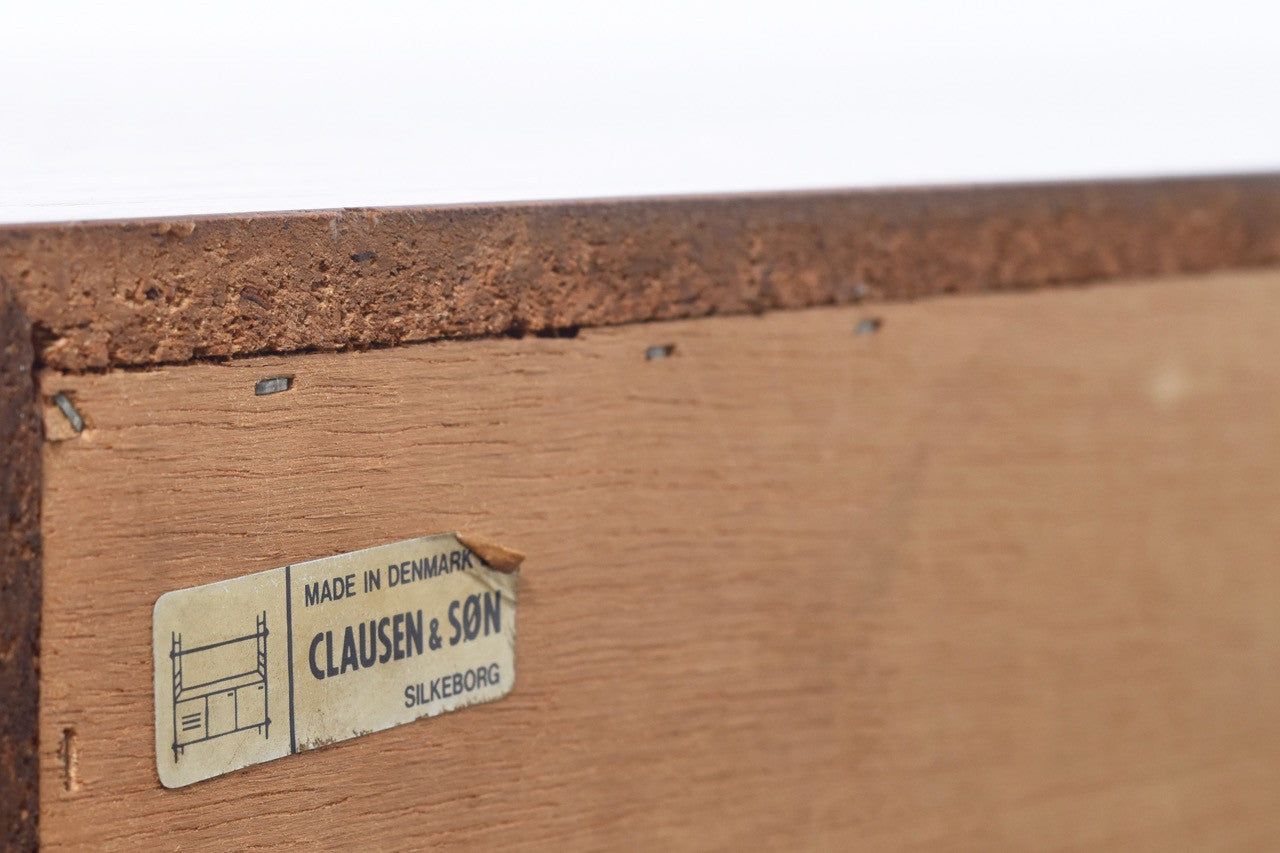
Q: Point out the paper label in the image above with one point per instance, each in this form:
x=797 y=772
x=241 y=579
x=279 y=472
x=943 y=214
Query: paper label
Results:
x=266 y=665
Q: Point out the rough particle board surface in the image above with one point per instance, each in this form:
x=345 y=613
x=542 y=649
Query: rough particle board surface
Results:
x=19 y=578
x=999 y=574
x=140 y=293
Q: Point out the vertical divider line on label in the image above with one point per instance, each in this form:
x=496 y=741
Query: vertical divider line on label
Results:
x=288 y=618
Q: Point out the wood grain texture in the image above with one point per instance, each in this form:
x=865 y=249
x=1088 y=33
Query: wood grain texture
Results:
x=1001 y=574
x=138 y=293
x=20 y=457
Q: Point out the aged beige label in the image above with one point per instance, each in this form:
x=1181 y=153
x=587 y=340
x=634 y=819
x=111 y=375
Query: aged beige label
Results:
x=269 y=664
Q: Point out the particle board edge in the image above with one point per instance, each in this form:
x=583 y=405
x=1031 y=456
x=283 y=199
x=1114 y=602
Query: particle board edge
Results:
x=166 y=291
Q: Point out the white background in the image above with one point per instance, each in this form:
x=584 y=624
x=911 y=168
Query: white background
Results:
x=119 y=109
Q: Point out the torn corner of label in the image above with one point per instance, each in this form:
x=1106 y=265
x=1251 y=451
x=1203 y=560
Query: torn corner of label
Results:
x=497 y=557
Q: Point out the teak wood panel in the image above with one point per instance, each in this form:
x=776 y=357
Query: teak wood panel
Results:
x=1001 y=573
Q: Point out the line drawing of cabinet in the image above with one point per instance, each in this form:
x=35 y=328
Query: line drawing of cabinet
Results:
x=219 y=688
